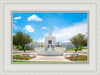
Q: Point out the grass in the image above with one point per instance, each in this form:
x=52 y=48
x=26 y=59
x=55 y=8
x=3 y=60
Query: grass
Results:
x=18 y=61
x=27 y=50
x=70 y=50
x=73 y=49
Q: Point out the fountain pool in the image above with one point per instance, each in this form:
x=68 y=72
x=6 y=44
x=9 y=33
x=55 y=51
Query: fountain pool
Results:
x=50 y=52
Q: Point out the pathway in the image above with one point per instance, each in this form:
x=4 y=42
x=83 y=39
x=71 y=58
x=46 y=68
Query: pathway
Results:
x=49 y=58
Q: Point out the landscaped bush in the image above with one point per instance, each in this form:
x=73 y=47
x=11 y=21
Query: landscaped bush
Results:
x=22 y=57
x=78 y=58
x=40 y=45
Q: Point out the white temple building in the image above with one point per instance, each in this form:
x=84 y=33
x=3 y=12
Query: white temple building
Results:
x=49 y=39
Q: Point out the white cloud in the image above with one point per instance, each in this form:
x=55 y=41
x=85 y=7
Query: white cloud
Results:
x=34 y=18
x=15 y=27
x=18 y=17
x=44 y=27
x=65 y=34
x=29 y=28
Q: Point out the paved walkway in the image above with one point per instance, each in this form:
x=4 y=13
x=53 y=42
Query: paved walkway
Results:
x=49 y=58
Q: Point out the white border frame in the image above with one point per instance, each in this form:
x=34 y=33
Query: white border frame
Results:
x=7 y=68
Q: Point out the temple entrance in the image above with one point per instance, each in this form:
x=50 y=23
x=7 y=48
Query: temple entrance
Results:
x=50 y=42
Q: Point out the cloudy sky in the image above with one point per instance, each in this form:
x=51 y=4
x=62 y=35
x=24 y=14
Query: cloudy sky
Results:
x=63 y=25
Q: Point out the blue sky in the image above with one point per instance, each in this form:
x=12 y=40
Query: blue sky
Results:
x=64 y=25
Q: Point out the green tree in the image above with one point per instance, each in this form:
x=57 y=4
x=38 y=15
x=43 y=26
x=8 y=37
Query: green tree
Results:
x=58 y=44
x=14 y=40
x=41 y=44
x=84 y=42
x=21 y=39
x=78 y=41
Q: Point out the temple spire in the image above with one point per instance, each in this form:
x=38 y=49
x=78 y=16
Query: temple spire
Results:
x=49 y=26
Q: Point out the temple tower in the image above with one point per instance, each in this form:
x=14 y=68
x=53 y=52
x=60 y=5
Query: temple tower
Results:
x=49 y=26
x=49 y=39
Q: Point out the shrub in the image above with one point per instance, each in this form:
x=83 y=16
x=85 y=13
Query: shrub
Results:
x=41 y=45
x=19 y=47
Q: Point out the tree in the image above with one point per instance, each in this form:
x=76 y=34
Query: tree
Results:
x=41 y=45
x=58 y=44
x=14 y=40
x=21 y=39
x=78 y=41
x=84 y=42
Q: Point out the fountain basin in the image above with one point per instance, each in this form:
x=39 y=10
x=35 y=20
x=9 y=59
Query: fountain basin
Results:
x=49 y=53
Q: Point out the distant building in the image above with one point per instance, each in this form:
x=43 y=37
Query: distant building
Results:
x=67 y=45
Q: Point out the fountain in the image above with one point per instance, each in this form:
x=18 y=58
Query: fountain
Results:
x=50 y=52
x=49 y=49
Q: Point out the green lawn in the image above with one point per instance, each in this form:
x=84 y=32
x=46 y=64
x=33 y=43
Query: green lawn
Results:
x=49 y=61
x=27 y=50
x=73 y=49
x=70 y=50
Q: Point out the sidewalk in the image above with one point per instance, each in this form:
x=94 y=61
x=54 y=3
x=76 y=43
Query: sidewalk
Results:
x=49 y=58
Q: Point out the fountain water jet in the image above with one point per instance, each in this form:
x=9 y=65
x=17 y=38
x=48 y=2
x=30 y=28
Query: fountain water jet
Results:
x=50 y=48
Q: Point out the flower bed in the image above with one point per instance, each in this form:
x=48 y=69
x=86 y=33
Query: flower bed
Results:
x=22 y=57
x=78 y=58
